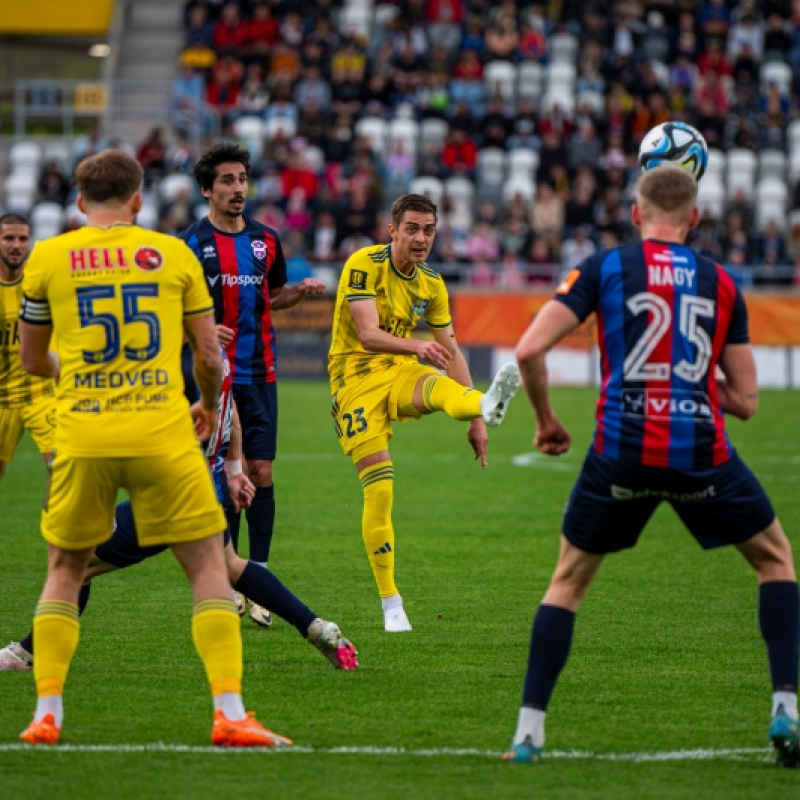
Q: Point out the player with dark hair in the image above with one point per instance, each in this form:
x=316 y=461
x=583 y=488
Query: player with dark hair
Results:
x=376 y=376
x=667 y=321
x=119 y=298
x=27 y=402
x=246 y=273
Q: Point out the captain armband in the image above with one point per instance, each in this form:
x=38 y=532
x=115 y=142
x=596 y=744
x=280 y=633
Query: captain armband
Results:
x=36 y=312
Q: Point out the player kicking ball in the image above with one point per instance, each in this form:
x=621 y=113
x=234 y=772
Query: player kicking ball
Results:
x=376 y=376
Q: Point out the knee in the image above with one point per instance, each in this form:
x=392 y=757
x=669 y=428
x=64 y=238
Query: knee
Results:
x=260 y=473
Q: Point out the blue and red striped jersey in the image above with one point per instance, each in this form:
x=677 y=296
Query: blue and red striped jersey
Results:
x=241 y=269
x=664 y=315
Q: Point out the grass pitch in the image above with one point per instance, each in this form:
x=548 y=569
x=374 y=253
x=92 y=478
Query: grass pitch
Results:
x=666 y=694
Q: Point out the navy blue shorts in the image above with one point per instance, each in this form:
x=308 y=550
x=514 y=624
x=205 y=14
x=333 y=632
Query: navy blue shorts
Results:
x=123 y=548
x=258 y=414
x=612 y=501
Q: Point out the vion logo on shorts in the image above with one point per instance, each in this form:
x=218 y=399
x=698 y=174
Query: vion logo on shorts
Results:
x=242 y=280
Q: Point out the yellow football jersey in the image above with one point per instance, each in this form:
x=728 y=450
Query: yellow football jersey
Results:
x=401 y=300
x=116 y=298
x=17 y=387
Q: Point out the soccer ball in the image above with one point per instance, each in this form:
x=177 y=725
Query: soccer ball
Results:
x=677 y=143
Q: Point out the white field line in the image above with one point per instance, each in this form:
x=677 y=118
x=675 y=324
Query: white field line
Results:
x=719 y=754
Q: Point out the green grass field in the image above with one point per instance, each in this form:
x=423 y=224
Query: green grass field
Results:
x=666 y=694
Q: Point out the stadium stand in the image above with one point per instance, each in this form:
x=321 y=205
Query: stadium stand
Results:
x=369 y=94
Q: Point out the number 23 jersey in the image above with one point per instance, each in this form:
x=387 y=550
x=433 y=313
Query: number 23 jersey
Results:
x=664 y=314
x=117 y=298
x=401 y=300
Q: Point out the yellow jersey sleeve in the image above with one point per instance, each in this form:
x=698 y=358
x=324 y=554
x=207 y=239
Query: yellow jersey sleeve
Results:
x=34 y=280
x=437 y=314
x=196 y=297
x=359 y=276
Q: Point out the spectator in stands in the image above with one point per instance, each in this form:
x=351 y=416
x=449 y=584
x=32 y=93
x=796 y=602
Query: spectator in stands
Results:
x=552 y=155
x=467 y=85
x=281 y=107
x=547 y=211
x=610 y=214
x=222 y=91
x=584 y=146
x=347 y=86
x=772 y=133
x=496 y=126
x=459 y=155
x=262 y=32
x=188 y=108
x=181 y=154
x=312 y=87
x=269 y=184
x=502 y=39
x=292 y=30
x=199 y=29
x=177 y=214
x=54 y=186
x=298 y=176
x=297 y=213
x=714 y=19
x=524 y=125
x=777 y=41
x=543 y=263
x=683 y=75
x=357 y=215
x=298 y=267
x=514 y=236
x=313 y=124
x=254 y=95
x=576 y=248
x=746 y=40
x=152 y=155
x=230 y=32
x=444 y=18
x=770 y=254
x=472 y=37
x=400 y=166
x=739 y=204
x=483 y=251
x=322 y=239
x=590 y=78
x=284 y=65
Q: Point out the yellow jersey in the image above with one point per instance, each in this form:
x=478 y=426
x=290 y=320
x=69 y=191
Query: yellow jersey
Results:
x=17 y=387
x=402 y=300
x=116 y=299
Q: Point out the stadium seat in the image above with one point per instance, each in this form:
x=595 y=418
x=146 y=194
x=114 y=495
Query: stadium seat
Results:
x=171 y=185
x=793 y=136
x=770 y=190
x=519 y=185
x=148 y=216
x=47 y=219
x=74 y=217
x=434 y=130
x=251 y=131
x=562 y=47
x=561 y=96
x=58 y=150
x=711 y=197
x=595 y=100
x=284 y=125
x=491 y=167
x=460 y=190
x=794 y=168
x=500 y=77
x=523 y=161
x=201 y=210
x=328 y=275
x=779 y=73
x=661 y=71
x=429 y=186
x=404 y=130
x=355 y=21
x=374 y=129
x=716 y=163
x=315 y=158
x=20 y=192
x=530 y=80
x=25 y=157
x=772 y=164
x=742 y=165
x=384 y=14
x=768 y=211
x=561 y=73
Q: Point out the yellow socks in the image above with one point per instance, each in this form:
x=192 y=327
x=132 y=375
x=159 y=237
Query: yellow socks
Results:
x=376 y=523
x=440 y=393
x=216 y=631
x=56 y=630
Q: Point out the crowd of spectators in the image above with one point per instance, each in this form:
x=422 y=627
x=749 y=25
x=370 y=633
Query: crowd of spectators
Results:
x=311 y=77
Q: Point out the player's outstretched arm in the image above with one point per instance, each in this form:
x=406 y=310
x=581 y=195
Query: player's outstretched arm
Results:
x=458 y=370
x=738 y=392
x=375 y=340
x=548 y=328
x=288 y=296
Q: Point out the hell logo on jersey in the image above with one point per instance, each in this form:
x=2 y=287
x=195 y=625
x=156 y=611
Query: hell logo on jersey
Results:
x=148 y=259
x=259 y=249
x=358 y=279
x=420 y=305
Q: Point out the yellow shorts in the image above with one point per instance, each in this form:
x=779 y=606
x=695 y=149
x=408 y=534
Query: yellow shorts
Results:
x=365 y=407
x=172 y=497
x=39 y=418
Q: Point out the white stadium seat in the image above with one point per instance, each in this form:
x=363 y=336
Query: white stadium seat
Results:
x=171 y=186
x=434 y=130
x=58 y=150
x=20 y=192
x=429 y=186
x=770 y=190
x=500 y=77
x=148 y=216
x=374 y=130
x=460 y=190
x=403 y=130
x=523 y=161
x=562 y=47
x=711 y=197
x=519 y=185
x=491 y=167
x=779 y=73
x=285 y=125
x=25 y=157
x=251 y=131
x=530 y=80
x=772 y=164
x=716 y=163
x=47 y=219
x=769 y=211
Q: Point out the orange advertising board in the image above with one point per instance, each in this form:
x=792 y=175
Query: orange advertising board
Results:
x=498 y=319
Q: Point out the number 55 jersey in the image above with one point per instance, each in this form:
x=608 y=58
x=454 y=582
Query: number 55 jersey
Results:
x=117 y=298
x=664 y=314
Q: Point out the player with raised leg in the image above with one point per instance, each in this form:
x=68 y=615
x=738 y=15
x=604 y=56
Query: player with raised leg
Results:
x=667 y=319
x=376 y=376
x=118 y=298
